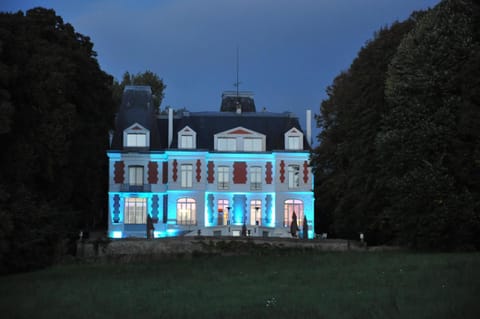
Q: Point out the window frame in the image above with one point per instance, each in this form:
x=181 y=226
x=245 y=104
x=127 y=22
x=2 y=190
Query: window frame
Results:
x=223 y=177
x=186 y=211
x=290 y=206
x=186 y=175
x=255 y=214
x=255 y=178
x=293 y=174
x=136 y=207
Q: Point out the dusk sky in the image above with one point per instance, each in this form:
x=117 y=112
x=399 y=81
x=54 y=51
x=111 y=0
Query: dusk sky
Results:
x=290 y=51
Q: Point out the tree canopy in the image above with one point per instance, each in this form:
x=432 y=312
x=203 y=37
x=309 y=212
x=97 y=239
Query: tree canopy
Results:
x=56 y=109
x=399 y=149
x=146 y=78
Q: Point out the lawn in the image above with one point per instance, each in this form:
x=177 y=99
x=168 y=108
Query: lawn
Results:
x=315 y=285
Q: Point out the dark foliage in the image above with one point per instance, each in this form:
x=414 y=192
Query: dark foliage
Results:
x=56 y=109
x=399 y=152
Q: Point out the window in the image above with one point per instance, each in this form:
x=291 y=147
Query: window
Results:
x=136 y=140
x=252 y=145
x=135 y=211
x=255 y=212
x=186 y=141
x=223 y=208
x=226 y=144
x=186 y=175
x=186 y=211
x=255 y=178
x=292 y=206
x=223 y=177
x=135 y=175
x=293 y=143
x=293 y=176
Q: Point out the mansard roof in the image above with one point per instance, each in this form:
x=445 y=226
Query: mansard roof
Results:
x=207 y=124
x=136 y=107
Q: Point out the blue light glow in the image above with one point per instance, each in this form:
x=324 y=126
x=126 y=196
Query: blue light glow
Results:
x=116 y=234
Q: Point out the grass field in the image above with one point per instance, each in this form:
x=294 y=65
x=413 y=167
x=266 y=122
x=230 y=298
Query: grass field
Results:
x=320 y=285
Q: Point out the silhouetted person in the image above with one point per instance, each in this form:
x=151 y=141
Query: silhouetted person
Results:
x=294 y=225
x=305 y=228
x=150 y=227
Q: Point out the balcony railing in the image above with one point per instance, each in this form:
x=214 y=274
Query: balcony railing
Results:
x=255 y=186
x=136 y=188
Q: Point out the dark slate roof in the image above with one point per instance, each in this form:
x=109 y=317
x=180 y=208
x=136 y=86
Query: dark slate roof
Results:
x=136 y=107
x=229 y=104
x=207 y=124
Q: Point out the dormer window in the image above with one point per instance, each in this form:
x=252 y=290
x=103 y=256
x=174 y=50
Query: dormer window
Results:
x=187 y=138
x=294 y=140
x=240 y=139
x=136 y=136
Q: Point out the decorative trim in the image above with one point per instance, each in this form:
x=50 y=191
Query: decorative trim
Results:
x=282 y=171
x=268 y=173
x=199 y=170
x=152 y=172
x=175 y=170
x=305 y=172
x=116 y=208
x=210 y=172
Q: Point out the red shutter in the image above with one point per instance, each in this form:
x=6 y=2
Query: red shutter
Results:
x=152 y=172
x=305 y=172
x=282 y=171
x=199 y=170
x=174 y=170
x=165 y=173
x=119 y=172
x=268 y=173
x=239 y=172
x=211 y=172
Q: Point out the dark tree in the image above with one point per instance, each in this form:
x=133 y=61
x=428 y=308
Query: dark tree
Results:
x=348 y=198
x=146 y=78
x=56 y=109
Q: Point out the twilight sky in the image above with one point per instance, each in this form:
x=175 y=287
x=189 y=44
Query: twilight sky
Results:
x=290 y=51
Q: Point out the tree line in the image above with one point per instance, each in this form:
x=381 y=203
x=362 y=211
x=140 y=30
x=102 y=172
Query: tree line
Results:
x=399 y=152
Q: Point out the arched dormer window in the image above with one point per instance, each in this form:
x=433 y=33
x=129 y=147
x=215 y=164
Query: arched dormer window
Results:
x=136 y=136
x=294 y=140
x=187 y=138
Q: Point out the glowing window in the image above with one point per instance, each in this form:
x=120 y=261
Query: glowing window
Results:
x=255 y=212
x=291 y=207
x=222 y=209
x=293 y=176
x=135 y=211
x=186 y=211
x=186 y=175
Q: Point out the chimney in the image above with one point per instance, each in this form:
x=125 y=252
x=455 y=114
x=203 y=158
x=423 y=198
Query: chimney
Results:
x=170 y=126
x=309 y=127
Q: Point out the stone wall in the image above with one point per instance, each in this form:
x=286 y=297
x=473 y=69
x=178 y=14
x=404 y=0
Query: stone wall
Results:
x=142 y=249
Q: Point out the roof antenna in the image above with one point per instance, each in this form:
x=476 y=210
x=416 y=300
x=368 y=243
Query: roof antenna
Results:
x=237 y=84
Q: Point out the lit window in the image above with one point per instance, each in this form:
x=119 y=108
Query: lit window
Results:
x=255 y=212
x=186 y=141
x=252 y=145
x=186 y=175
x=186 y=211
x=223 y=177
x=135 y=210
x=255 y=178
x=293 y=176
x=293 y=143
x=135 y=175
x=136 y=140
x=222 y=208
x=293 y=206
x=226 y=144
